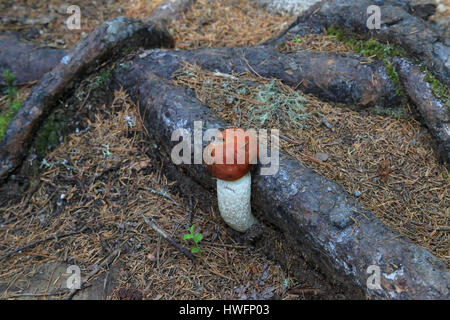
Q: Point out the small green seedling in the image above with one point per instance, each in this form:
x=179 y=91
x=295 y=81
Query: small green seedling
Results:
x=197 y=237
x=297 y=39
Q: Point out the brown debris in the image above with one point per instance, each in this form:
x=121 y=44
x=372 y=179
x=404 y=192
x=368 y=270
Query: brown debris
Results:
x=226 y=23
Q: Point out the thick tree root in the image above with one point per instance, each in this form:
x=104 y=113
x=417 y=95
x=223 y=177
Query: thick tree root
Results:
x=435 y=115
x=334 y=77
x=28 y=62
x=398 y=26
x=328 y=226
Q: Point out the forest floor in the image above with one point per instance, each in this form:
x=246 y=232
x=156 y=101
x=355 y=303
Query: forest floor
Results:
x=101 y=175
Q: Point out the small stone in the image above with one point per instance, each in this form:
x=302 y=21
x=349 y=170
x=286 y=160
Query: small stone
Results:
x=321 y=156
x=357 y=193
x=326 y=123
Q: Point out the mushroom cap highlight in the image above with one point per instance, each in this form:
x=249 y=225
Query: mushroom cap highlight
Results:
x=232 y=154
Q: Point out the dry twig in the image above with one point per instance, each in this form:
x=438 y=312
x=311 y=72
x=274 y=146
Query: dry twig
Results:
x=169 y=239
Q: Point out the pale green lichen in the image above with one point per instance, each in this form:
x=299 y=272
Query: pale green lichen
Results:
x=278 y=106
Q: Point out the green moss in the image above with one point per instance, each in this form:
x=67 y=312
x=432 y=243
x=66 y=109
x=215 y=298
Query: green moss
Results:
x=441 y=91
x=4 y=121
x=14 y=105
x=372 y=49
x=48 y=136
x=101 y=80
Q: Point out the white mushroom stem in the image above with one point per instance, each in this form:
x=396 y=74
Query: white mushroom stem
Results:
x=234 y=202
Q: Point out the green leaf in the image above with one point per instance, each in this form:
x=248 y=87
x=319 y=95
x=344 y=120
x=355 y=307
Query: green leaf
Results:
x=195 y=250
x=198 y=237
x=188 y=236
x=191 y=229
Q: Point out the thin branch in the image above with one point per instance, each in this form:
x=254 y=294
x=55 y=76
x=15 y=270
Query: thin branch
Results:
x=35 y=243
x=161 y=232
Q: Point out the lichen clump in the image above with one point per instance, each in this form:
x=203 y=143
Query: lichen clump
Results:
x=268 y=102
x=279 y=106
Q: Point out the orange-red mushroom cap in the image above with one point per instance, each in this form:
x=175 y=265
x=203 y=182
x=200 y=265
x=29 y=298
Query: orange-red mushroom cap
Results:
x=233 y=154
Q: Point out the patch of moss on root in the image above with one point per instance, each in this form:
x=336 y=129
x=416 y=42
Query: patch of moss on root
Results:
x=372 y=49
x=50 y=134
x=440 y=90
x=101 y=81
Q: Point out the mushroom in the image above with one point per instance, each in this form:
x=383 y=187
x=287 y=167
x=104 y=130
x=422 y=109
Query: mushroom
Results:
x=230 y=158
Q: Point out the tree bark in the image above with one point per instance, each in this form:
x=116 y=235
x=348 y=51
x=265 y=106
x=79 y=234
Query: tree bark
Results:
x=345 y=78
x=169 y=11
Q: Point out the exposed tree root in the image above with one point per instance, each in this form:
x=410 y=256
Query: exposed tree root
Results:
x=325 y=223
x=33 y=63
x=435 y=115
x=398 y=26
